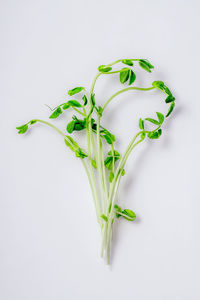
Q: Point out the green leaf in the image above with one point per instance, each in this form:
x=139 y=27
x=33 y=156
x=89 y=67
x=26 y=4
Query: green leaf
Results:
x=32 y=122
x=132 y=77
x=94 y=164
x=56 y=113
x=22 y=129
x=123 y=172
x=74 y=103
x=78 y=124
x=141 y=124
x=143 y=135
x=127 y=62
x=144 y=66
x=111 y=176
x=76 y=90
x=171 y=108
x=104 y=218
x=131 y=216
x=70 y=126
x=124 y=75
x=85 y=100
x=147 y=63
x=159 y=85
x=117 y=209
x=109 y=208
x=108 y=138
x=167 y=91
x=169 y=99
x=99 y=110
x=66 y=106
x=154 y=134
x=160 y=117
x=116 y=153
x=109 y=160
x=153 y=121
x=93 y=99
x=75 y=147
x=104 y=68
x=71 y=143
x=80 y=153
x=106 y=132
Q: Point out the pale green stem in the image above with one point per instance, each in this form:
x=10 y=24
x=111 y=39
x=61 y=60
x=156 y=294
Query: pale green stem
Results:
x=125 y=90
x=104 y=172
x=92 y=175
x=99 y=165
x=92 y=188
x=119 y=60
x=58 y=130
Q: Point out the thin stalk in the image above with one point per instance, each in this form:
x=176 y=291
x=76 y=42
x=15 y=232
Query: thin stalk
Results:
x=99 y=165
x=78 y=111
x=94 y=82
x=92 y=188
x=119 y=60
x=104 y=172
x=58 y=130
x=125 y=90
x=92 y=174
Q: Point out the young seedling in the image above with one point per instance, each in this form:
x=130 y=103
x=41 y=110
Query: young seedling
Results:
x=109 y=168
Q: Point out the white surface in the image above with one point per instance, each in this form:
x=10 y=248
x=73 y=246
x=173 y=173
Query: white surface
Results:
x=49 y=238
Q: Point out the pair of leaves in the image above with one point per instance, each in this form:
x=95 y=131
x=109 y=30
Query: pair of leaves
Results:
x=127 y=214
x=104 y=133
x=112 y=157
x=170 y=98
x=112 y=175
x=99 y=110
x=76 y=124
x=154 y=134
x=145 y=64
x=161 y=86
x=127 y=74
x=71 y=103
x=157 y=122
x=74 y=147
x=23 y=128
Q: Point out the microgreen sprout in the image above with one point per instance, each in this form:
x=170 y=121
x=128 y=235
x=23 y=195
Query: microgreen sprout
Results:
x=105 y=168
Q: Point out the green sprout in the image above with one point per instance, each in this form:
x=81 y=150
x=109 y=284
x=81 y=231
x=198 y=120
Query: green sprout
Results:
x=106 y=170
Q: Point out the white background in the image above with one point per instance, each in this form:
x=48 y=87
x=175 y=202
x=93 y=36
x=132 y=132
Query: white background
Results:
x=50 y=241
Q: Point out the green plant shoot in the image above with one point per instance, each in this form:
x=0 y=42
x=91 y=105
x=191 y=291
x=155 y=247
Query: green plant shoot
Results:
x=105 y=168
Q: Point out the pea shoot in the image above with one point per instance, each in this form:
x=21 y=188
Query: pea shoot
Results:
x=105 y=168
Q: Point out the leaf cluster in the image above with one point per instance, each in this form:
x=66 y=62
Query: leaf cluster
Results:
x=23 y=128
x=170 y=98
x=70 y=142
x=127 y=214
